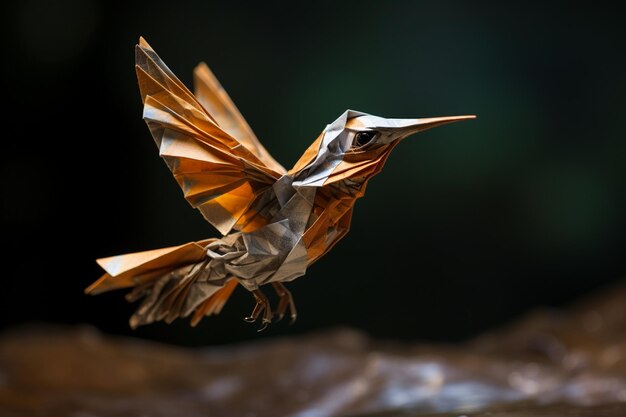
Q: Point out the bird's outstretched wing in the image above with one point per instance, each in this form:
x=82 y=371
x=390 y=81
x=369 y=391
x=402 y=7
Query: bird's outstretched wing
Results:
x=222 y=176
x=217 y=102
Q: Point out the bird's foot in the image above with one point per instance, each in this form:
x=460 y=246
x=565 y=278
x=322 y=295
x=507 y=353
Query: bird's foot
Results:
x=262 y=306
x=285 y=302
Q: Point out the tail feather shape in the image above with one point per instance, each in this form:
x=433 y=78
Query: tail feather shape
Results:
x=171 y=281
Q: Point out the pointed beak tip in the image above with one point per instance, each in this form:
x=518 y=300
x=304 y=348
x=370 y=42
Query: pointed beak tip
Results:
x=423 y=124
x=460 y=118
x=419 y=125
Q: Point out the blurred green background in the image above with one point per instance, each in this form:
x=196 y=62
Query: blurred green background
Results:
x=467 y=227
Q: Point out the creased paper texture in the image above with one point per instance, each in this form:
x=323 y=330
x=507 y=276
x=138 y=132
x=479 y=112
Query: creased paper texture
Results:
x=274 y=223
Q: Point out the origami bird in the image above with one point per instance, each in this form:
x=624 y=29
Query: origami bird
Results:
x=274 y=223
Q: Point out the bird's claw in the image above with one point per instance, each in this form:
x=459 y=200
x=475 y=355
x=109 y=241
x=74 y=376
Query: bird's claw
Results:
x=285 y=302
x=264 y=325
x=262 y=306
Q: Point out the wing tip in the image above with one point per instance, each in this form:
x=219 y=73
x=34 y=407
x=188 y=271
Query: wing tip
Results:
x=202 y=66
x=203 y=74
x=143 y=43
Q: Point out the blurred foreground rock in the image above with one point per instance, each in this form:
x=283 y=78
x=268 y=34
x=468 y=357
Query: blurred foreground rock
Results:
x=564 y=363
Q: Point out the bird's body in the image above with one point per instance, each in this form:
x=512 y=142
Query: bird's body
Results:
x=274 y=222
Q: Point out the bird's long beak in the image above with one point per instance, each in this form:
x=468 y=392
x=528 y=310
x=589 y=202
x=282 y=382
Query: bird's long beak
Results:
x=407 y=127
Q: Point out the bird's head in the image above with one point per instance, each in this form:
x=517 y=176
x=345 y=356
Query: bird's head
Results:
x=355 y=147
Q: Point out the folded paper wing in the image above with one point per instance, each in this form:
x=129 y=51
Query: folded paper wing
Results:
x=220 y=175
x=217 y=102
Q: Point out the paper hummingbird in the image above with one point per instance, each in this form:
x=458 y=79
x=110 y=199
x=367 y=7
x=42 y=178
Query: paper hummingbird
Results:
x=274 y=223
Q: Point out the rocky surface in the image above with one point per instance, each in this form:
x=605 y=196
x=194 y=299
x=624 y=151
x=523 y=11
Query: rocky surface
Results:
x=559 y=363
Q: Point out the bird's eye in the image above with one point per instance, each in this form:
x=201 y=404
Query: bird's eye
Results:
x=363 y=138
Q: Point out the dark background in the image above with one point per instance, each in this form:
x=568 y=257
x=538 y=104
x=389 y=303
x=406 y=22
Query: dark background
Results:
x=467 y=227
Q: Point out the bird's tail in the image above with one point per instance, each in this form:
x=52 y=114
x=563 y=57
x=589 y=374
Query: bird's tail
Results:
x=173 y=282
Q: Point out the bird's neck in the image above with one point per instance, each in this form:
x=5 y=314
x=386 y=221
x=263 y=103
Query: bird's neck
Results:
x=330 y=217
